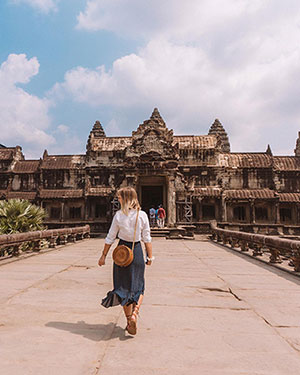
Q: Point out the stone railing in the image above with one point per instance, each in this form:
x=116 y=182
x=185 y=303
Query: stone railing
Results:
x=279 y=249
x=11 y=244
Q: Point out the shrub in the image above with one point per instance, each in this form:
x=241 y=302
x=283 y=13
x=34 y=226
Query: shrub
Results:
x=17 y=215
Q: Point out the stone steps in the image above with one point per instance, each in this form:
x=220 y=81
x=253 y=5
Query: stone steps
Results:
x=172 y=233
x=160 y=232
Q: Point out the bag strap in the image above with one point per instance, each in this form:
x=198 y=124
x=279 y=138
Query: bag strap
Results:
x=137 y=215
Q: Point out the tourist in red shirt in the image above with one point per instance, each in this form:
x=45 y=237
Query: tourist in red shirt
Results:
x=161 y=215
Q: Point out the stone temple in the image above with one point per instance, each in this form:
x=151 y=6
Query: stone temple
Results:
x=196 y=178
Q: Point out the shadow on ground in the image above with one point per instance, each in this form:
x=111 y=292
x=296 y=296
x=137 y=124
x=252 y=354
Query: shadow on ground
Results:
x=95 y=332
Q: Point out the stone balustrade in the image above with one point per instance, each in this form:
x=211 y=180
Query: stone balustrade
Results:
x=11 y=244
x=279 y=249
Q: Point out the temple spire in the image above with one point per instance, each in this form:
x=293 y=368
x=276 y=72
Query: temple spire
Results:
x=269 y=151
x=297 y=149
x=156 y=118
x=217 y=129
x=155 y=114
x=98 y=130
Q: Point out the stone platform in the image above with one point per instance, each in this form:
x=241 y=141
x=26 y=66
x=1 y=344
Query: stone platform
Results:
x=206 y=311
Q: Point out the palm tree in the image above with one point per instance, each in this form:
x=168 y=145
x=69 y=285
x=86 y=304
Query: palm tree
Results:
x=18 y=215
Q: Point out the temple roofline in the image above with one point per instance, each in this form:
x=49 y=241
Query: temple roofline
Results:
x=61 y=155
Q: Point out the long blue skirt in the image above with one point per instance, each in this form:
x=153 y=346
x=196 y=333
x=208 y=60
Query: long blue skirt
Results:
x=129 y=282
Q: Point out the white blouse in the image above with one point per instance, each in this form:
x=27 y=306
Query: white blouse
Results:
x=123 y=227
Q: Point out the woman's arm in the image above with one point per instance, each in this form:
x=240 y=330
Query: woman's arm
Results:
x=113 y=230
x=101 y=261
x=109 y=240
x=146 y=237
x=148 y=246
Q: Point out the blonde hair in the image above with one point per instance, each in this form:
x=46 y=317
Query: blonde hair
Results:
x=129 y=199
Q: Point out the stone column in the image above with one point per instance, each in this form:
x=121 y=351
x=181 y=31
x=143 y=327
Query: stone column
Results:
x=294 y=213
x=200 y=218
x=217 y=210
x=277 y=213
x=224 y=209
x=85 y=209
x=298 y=213
x=199 y=210
x=62 y=206
x=171 y=200
x=252 y=212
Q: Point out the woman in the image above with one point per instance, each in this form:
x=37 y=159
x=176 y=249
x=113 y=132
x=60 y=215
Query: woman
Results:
x=128 y=281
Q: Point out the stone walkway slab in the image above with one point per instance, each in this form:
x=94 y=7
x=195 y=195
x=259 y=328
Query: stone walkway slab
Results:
x=207 y=310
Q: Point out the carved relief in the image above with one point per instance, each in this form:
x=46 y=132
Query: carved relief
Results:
x=152 y=141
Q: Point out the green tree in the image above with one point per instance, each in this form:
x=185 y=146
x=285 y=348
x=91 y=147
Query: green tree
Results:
x=17 y=215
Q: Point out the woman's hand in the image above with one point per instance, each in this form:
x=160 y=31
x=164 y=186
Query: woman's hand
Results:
x=149 y=258
x=101 y=261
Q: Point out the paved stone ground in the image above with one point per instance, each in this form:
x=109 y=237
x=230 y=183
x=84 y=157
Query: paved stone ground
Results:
x=206 y=311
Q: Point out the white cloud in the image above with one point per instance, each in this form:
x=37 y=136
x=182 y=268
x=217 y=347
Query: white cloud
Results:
x=24 y=118
x=68 y=143
x=237 y=60
x=44 y=6
x=191 y=91
x=113 y=127
x=190 y=18
x=63 y=129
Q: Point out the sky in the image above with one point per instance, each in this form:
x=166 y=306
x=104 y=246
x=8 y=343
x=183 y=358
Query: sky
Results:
x=66 y=63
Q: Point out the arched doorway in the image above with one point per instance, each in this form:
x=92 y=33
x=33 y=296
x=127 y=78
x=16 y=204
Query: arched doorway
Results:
x=152 y=192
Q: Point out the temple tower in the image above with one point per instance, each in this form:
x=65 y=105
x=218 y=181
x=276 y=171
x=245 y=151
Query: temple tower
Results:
x=297 y=149
x=217 y=129
x=96 y=132
x=269 y=151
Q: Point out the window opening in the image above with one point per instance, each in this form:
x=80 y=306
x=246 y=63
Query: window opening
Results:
x=239 y=213
x=208 y=212
x=100 y=210
x=55 y=212
x=261 y=213
x=75 y=212
x=285 y=214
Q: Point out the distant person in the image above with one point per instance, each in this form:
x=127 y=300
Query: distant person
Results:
x=161 y=216
x=152 y=215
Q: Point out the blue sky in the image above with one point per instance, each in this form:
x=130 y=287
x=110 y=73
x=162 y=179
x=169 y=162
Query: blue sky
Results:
x=67 y=63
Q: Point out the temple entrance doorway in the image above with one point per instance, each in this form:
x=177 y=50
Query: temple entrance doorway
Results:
x=152 y=196
x=152 y=192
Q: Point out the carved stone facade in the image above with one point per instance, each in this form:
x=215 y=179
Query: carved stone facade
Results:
x=195 y=177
